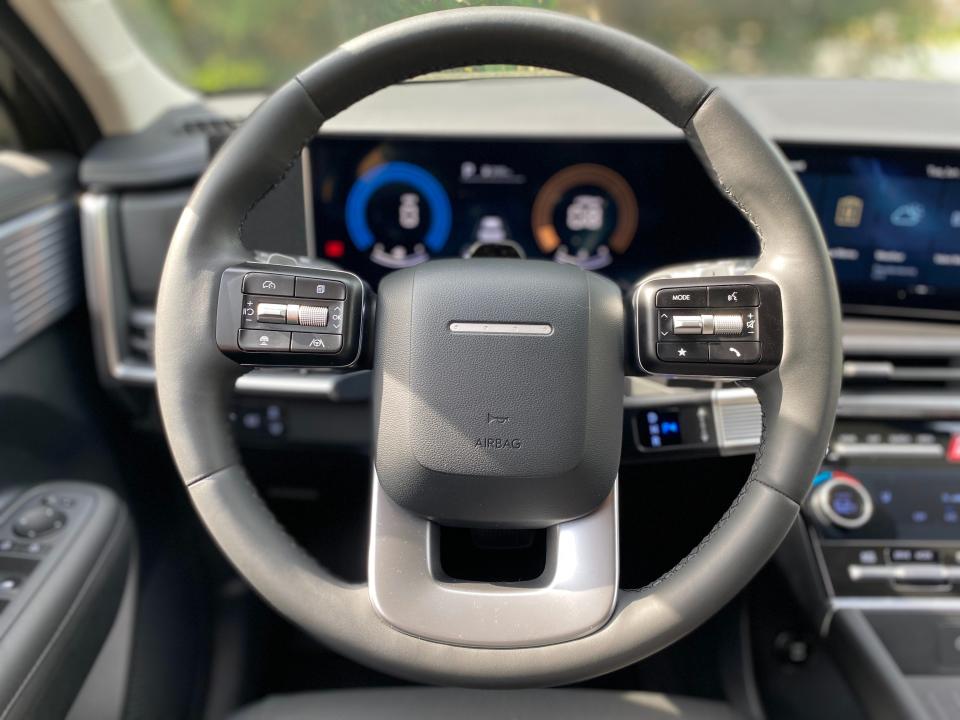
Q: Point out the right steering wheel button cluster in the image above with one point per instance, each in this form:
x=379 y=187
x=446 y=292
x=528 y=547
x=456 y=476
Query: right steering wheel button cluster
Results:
x=698 y=329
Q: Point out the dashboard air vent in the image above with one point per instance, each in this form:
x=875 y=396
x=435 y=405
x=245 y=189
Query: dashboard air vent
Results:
x=214 y=128
x=902 y=372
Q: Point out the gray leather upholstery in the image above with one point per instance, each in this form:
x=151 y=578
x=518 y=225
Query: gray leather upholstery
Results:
x=445 y=703
x=798 y=400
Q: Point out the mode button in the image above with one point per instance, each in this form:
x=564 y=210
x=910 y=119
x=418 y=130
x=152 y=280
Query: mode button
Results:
x=682 y=297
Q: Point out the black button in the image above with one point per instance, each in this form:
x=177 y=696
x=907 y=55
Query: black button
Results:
x=682 y=297
x=682 y=352
x=38 y=521
x=320 y=289
x=901 y=555
x=733 y=296
x=264 y=341
x=742 y=353
x=316 y=343
x=268 y=284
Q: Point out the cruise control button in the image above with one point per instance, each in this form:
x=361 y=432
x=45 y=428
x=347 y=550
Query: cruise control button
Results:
x=272 y=312
x=682 y=352
x=264 y=341
x=268 y=284
x=733 y=296
x=316 y=343
x=742 y=353
x=682 y=297
x=320 y=289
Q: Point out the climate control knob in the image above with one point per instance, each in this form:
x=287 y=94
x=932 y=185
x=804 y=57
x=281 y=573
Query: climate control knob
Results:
x=843 y=501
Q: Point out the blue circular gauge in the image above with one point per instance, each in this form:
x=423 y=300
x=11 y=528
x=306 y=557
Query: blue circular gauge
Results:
x=400 y=173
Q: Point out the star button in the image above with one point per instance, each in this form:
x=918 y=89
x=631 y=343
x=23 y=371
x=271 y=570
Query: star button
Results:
x=682 y=352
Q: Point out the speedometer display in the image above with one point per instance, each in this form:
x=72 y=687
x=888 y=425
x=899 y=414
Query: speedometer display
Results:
x=619 y=207
x=398 y=212
x=583 y=213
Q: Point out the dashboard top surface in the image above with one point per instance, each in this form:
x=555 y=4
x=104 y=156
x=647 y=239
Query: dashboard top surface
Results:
x=803 y=110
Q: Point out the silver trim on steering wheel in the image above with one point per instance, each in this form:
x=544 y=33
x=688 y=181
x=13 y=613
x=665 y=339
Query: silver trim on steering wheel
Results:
x=574 y=597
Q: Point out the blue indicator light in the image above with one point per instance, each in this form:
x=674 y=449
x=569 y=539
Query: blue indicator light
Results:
x=669 y=428
x=821 y=477
x=441 y=215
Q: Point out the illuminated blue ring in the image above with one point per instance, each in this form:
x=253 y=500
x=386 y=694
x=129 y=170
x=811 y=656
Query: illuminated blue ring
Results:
x=441 y=216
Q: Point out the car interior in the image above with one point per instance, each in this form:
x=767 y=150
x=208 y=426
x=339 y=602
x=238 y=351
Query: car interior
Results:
x=444 y=358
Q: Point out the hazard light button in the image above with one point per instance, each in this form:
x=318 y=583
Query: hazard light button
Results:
x=953 y=449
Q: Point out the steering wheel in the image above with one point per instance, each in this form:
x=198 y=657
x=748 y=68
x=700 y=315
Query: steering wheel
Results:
x=497 y=383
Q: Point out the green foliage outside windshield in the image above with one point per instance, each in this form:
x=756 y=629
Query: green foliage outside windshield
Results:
x=222 y=45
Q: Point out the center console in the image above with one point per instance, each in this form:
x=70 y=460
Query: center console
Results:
x=885 y=511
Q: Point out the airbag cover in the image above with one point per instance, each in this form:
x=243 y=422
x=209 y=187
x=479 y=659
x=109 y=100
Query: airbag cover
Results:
x=498 y=391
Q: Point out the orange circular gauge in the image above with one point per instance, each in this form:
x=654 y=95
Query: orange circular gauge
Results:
x=583 y=212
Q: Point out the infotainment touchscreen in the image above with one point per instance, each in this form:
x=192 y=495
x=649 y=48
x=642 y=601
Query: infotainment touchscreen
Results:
x=892 y=221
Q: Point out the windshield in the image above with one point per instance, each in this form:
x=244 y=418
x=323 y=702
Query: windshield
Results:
x=230 y=45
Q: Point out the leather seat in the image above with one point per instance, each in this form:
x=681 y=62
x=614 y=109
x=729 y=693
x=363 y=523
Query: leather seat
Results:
x=444 y=703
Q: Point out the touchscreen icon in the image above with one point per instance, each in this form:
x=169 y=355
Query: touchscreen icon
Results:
x=849 y=211
x=908 y=215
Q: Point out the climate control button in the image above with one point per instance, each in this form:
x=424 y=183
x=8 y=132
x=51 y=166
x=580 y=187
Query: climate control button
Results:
x=842 y=501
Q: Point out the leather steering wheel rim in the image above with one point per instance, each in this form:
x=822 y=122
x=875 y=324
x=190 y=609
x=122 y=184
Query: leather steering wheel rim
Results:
x=195 y=380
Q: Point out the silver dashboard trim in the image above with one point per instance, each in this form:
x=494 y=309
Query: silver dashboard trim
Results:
x=896 y=604
x=306 y=165
x=738 y=420
x=574 y=597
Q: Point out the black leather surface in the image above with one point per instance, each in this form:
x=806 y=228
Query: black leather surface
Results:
x=194 y=379
x=798 y=401
x=443 y=704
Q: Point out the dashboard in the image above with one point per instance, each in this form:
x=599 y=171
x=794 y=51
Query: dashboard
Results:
x=625 y=208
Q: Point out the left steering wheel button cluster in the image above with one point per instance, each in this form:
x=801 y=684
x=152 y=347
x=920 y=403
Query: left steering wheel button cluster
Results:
x=264 y=341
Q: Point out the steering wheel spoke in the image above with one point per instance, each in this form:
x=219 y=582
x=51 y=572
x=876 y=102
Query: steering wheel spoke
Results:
x=278 y=315
x=410 y=590
x=729 y=327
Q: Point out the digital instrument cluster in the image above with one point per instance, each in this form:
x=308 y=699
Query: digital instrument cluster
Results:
x=624 y=208
x=616 y=207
